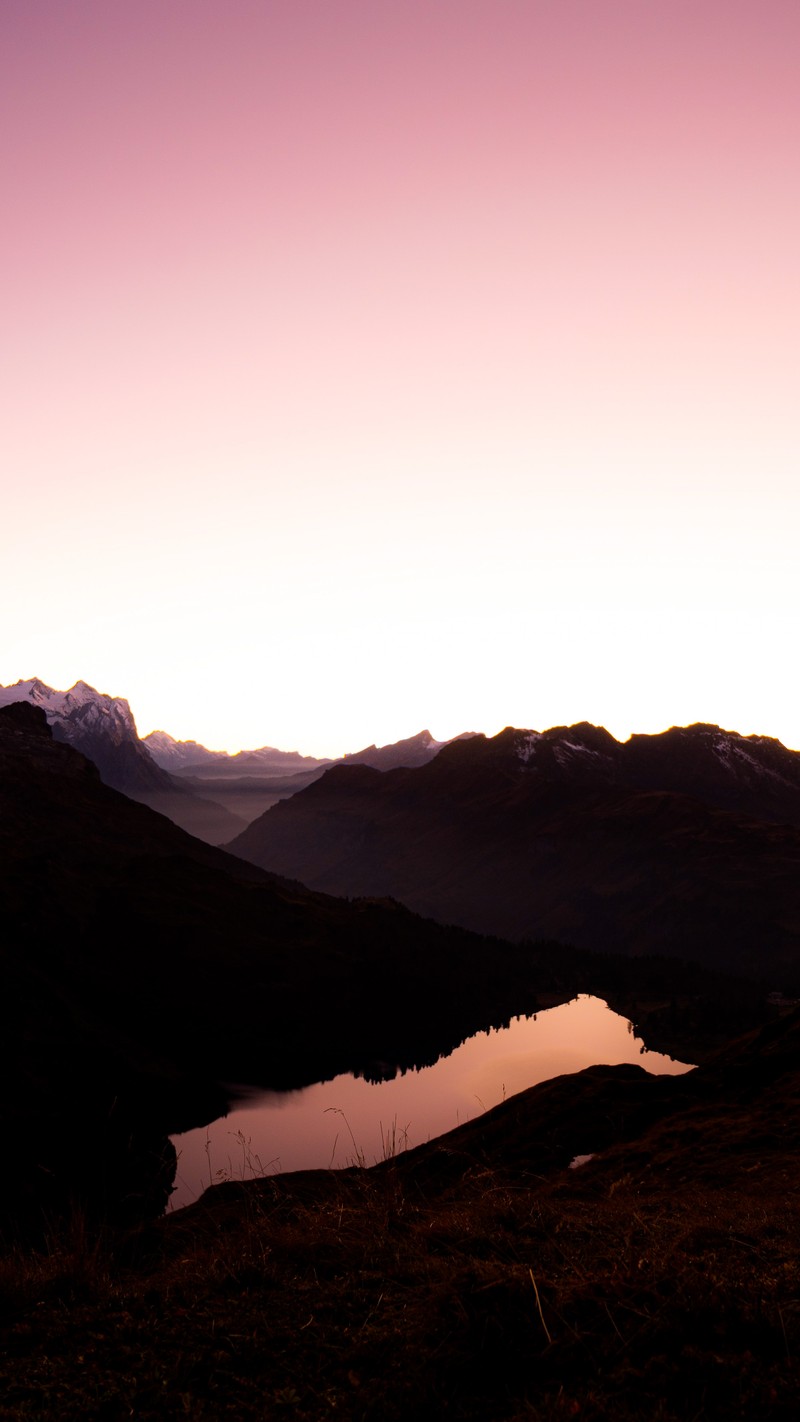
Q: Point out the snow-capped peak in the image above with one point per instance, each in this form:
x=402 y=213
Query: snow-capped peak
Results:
x=32 y=690
x=81 y=701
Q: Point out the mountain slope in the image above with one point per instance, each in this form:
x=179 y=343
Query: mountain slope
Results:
x=192 y=759
x=251 y=782
x=103 y=728
x=172 y=755
x=669 y=844
x=82 y=864
x=413 y=751
x=139 y=966
x=476 y=1277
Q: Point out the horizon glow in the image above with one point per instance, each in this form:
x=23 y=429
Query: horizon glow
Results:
x=371 y=368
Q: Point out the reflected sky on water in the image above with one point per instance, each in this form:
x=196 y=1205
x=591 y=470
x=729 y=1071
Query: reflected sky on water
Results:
x=349 y=1121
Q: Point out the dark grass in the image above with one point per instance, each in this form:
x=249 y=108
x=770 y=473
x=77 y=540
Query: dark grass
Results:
x=620 y=1290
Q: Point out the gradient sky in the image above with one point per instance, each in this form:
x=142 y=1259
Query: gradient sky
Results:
x=371 y=366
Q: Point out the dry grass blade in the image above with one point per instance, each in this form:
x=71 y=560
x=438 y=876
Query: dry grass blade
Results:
x=539 y=1306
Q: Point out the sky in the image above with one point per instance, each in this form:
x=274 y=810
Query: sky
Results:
x=367 y=367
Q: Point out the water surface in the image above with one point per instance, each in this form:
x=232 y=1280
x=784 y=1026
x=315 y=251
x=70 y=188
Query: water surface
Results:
x=351 y=1121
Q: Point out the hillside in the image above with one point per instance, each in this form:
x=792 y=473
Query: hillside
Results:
x=141 y=968
x=102 y=728
x=684 y=844
x=476 y=1277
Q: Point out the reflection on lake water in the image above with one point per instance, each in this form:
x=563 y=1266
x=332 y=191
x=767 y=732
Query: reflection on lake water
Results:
x=351 y=1121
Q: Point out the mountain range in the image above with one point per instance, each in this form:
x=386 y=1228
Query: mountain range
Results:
x=189 y=758
x=407 y=754
x=251 y=782
x=685 y=843
x=210 y=793
x=192 y=758
x=140 y=968
x=103 y=728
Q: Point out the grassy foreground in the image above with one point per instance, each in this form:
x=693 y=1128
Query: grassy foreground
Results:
x=472 y=1278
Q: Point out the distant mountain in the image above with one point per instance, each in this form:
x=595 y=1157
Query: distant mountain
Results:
x=415 y=750
x=102 y=728
x=191 y=758
x=686 y=843
x=245 y=784
x=251 y=782
x=210 y=793
x=172 y=754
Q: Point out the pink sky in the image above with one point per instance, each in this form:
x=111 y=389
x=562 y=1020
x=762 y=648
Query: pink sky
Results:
x=371 y=366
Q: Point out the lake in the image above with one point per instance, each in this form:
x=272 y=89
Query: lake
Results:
x=349 y=1121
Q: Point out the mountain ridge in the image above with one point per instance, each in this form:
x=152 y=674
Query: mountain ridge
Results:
x=188 y=757
x=404 y=754
x=103 y=728
x=140 y=968
x=687 y=843
x=145 y=966
x=251 y=782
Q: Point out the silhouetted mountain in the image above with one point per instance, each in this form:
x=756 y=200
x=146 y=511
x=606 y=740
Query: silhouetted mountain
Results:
x=244 y=785
x=415 y=750
x=103 y=729
x=685 y=843
x=755 y=775
x=191 y=758
x=250 y=782
x=138 y=966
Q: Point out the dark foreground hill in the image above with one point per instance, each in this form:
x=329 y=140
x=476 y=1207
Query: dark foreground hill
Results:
x=476 y=1278
x=686 y=843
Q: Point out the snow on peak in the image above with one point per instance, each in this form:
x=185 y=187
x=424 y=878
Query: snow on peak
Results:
x=565 y=748
x=162 y=740
x=734 y=752
x=81 y=702
x=32 y=690
x=525 y=745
